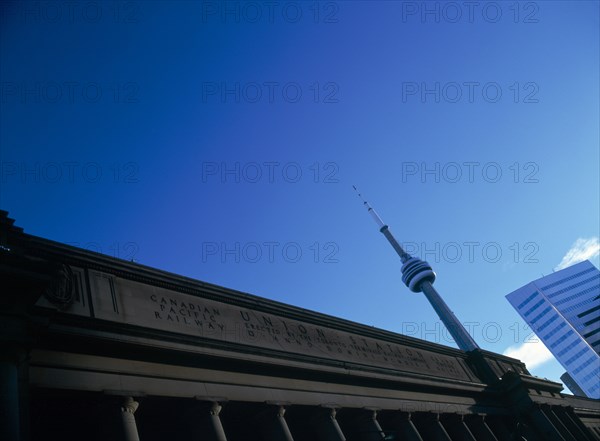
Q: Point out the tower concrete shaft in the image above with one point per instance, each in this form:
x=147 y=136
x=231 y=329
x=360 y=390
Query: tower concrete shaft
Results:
x=418 y=276
x=460 y=335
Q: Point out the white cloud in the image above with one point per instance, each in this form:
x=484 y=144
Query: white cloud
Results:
x=532 y=353
x=582 y=249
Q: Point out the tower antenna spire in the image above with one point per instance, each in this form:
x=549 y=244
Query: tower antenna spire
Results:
x=418 y=276
x=383 y=228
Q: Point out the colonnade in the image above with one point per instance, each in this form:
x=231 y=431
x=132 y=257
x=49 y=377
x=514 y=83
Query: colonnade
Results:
x=288 y=422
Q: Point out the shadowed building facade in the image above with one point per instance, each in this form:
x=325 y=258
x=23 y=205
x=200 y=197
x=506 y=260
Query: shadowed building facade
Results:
x=98 y=348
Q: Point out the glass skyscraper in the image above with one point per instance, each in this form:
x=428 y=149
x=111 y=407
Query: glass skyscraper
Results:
x=563 y=309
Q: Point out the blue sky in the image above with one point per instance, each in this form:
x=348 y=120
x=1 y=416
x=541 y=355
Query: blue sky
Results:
x=221 y=141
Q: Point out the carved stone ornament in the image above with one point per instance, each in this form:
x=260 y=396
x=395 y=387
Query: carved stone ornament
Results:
x=61 y=291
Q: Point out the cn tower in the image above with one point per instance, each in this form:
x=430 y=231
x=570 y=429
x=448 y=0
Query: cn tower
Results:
x=418 y=276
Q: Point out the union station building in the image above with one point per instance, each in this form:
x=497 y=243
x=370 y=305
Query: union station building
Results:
x=98 y=348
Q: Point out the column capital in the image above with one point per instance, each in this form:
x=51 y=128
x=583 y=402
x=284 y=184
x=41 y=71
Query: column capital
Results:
x=129 y=405
x=215 y=408
x=281 y=411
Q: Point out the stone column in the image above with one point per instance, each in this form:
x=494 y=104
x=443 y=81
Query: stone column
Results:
x=488 y=430
x=128 y=408
x=544 y=425
x=456 y=427
x=284 y=433
x=272 y=423
x=580 y=431
x=407 y=429
x=479 y=428
x=9 y=401
x=204 y=419
x=362 y=424
x=499 y=428
x=558 y=423
x=431 y=428
x=328 y=428
x=215 y=410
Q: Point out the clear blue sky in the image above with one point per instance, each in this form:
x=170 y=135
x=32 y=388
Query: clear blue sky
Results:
x=118 y=121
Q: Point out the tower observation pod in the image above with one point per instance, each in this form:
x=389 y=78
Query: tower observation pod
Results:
x=418 y=276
